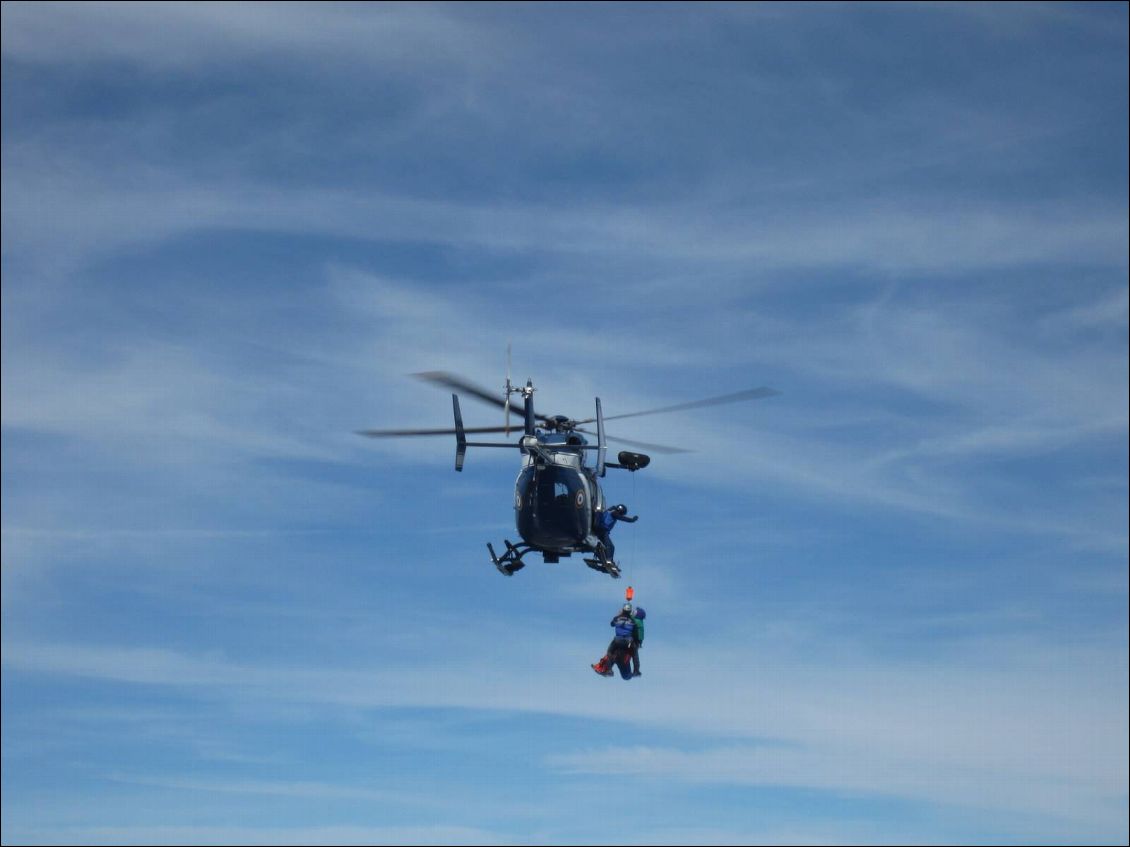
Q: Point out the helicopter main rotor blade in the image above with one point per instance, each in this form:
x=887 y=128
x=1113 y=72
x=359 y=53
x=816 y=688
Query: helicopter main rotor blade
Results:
x=458 y=383
x=736 y=397
x=655 y=448
x=399 y=433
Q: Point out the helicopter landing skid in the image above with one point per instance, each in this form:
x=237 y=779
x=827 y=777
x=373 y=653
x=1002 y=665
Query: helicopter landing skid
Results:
x=511 y=560
x=610 y=568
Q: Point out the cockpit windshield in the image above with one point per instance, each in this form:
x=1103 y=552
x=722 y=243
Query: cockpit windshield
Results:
x=551 y=488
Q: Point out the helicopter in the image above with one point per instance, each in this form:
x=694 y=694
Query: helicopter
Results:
x=557 y=495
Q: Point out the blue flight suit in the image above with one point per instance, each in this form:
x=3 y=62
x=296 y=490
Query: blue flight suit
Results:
x=620 y=649
x=602 y=527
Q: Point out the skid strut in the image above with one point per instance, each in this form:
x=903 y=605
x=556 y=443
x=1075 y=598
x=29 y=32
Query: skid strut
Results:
x=511 y=560
x=603 y=564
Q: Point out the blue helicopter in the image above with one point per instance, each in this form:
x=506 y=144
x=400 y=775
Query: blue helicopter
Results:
x=557 y=496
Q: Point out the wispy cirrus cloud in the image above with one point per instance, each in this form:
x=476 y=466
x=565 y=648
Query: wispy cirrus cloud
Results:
x=851 y=770
x=973 y=732
x=343 y=834
x=998 y=394
x=46 y=211
x=185 y=36
x=230 y=232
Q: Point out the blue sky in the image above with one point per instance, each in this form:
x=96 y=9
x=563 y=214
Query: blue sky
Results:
x=888 y=605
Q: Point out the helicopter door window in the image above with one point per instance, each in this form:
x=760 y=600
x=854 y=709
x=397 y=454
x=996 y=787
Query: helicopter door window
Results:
x=553 y=492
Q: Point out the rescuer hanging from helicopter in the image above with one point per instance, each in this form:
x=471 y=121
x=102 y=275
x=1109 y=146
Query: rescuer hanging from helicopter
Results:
x=602 y=525
x=623 y=650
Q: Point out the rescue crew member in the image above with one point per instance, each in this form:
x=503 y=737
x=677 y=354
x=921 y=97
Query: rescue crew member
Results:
x=603 y=524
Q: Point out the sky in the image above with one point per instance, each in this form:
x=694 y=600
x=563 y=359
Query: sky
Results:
x=888 y=605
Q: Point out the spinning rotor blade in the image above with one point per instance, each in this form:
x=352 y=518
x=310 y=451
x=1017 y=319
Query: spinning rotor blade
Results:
x=654 y=448
x=737 y=396
x=399 y=433
x=458 y=383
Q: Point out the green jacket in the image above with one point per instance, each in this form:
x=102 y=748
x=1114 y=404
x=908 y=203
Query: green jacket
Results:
x=639 y=630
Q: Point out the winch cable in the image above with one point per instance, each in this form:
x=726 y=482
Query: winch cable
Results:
x=636 y=506
x=629 y=591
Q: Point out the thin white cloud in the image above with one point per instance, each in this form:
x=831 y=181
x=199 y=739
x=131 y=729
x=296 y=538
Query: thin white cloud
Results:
x=939 y=292
x=852 y=770
x=251 y=835
x=50 y=211
x=1110 y=311
x=276 y=788
x=163 y=37
x=155 y=405
x=1027 y=729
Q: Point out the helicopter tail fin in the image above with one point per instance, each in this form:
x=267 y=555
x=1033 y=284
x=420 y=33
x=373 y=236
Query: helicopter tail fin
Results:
x=460 y=435
x=601 y=445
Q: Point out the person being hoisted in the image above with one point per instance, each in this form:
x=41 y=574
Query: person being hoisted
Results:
x=603 y=522
x=620 y=650
x=638 y=615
